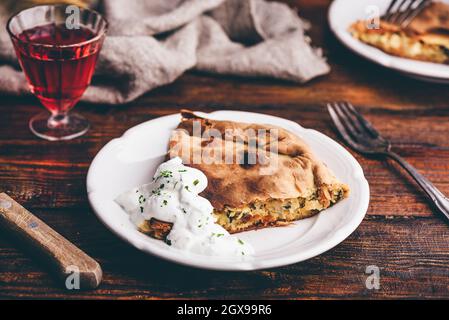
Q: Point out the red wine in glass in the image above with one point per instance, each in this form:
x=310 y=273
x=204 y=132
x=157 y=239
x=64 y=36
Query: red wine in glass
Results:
x=58 y=82
x=58 y=63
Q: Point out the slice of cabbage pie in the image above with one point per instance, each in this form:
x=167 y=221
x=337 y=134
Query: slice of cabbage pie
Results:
x=426 y=38
x=254 y=181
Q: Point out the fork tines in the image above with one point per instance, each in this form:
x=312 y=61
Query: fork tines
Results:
x=358 y=132
x=402 y=12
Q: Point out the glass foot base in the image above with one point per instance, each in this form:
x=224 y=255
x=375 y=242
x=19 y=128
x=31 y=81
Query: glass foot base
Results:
x=62 y=127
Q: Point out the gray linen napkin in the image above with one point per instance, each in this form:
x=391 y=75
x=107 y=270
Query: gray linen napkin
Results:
x=152 y=42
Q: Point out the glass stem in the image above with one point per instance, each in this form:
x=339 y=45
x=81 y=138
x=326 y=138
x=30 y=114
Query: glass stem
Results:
x=58 y=120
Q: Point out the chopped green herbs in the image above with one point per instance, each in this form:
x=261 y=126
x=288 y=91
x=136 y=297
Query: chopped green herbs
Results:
x=166 y=190
x=142 y=199
x=166 y=174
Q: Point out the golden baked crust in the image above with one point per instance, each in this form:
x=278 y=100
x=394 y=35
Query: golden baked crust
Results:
x=425 y=39
x=290 y=185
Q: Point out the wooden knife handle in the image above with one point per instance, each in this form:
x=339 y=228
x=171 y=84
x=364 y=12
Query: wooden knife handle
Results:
x=72 y=265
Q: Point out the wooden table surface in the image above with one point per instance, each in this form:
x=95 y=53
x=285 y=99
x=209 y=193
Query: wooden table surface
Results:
x=401 y=234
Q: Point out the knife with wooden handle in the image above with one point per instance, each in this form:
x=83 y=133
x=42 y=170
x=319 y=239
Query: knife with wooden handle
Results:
x=62 y=255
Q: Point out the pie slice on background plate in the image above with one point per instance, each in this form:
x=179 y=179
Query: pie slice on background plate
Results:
x=426 y=38
x=269 y=189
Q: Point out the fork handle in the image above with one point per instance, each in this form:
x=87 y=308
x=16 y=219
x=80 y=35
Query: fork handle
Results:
x=438 y=198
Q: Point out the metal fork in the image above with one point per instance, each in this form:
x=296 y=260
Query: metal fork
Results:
x=402 y=12
x=360 y=134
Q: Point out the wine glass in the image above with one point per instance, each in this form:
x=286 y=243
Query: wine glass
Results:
x=58 y=47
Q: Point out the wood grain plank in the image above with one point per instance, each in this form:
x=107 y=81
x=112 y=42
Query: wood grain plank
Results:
x=414 y=263
x=401 y=234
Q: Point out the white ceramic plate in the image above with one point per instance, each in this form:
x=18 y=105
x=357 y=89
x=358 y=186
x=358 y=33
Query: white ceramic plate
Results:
x=132 y=159
x=342 y=13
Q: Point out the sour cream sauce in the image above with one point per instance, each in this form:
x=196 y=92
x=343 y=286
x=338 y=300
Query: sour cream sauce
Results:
x=173 y=197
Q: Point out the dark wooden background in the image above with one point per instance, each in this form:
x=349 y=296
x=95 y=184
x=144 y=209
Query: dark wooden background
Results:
x=400 y=234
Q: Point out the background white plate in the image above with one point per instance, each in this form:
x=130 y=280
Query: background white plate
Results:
x=342 y=13
x=131 y=160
